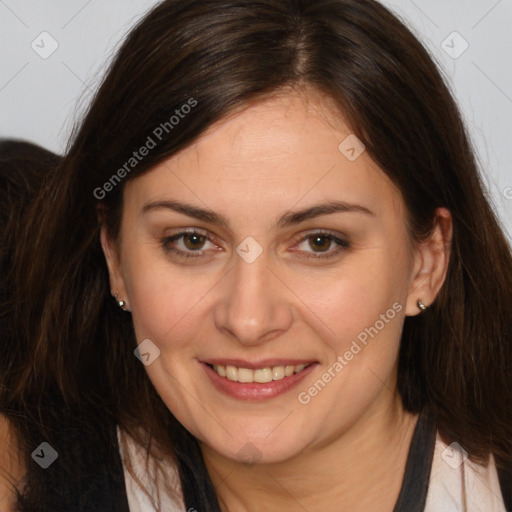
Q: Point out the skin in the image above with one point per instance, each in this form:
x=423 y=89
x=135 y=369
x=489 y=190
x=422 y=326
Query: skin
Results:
x=346 y=449
x=12 y=470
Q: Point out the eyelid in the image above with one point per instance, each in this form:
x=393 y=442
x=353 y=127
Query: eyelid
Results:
x=192 y=231
x=189 y=231
x=339 y=239
x=326 y=232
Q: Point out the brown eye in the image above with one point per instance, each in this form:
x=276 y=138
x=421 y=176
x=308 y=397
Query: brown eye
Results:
x=321 y=245
x=194 y=241
x=320 y=242
x=187 y=244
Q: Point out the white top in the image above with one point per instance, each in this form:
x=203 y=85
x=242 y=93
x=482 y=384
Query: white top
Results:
x=456 y=484
x=145 y=471
x=459 y=485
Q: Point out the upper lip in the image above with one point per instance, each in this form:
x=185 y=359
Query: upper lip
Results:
x=254 y=365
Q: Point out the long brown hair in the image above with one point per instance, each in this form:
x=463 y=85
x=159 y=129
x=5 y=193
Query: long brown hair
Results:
x=69 y=338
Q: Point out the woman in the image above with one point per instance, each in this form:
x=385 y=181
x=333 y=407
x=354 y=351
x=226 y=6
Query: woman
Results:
x=264 y=275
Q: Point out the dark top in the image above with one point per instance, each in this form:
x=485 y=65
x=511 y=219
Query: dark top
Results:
x=413 y=494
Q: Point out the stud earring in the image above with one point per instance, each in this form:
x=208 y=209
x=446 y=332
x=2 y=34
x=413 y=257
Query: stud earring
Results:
x=421 y=306
x=120 y=303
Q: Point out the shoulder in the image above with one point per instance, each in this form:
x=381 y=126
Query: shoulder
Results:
x=11 y=468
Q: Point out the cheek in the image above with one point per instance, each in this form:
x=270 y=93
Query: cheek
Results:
x=367 y=292
x=163 y=305
x=169 y=304
x=359 y=318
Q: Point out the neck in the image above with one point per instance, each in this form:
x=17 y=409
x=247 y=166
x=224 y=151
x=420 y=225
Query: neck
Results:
x=358 y=471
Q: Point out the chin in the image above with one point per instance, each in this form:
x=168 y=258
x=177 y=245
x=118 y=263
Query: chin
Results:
x=252 y=449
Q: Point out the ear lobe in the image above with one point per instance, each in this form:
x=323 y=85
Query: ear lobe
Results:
x=432 y=257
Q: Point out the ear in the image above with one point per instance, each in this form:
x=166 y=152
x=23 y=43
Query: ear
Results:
x=111 y=252
x=431 y=263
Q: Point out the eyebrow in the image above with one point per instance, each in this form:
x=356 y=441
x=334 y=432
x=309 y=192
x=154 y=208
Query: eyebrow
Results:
x=288 y=219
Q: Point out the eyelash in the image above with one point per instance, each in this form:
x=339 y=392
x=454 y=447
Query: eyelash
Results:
x=342 y=244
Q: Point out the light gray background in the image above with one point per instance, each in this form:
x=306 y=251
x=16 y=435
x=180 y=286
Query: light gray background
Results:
x=40 y=98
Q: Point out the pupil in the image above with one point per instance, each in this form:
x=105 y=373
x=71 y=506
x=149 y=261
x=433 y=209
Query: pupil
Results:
x=193 y=241
x=317 y=241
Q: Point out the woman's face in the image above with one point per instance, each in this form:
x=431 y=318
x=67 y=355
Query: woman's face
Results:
x=271 y=279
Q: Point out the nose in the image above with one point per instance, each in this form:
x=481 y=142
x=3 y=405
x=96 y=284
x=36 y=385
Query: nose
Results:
x=253 y=308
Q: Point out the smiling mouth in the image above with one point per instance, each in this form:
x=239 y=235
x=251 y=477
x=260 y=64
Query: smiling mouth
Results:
x=260 y=375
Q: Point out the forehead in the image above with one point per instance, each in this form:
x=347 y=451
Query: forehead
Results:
x=274 y=154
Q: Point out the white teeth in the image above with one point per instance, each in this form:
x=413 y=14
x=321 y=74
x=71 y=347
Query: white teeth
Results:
x=289 y=370
x=261 y=375
x=231 y=372
x=278 y=372
x=221 y=370
x=245 y=375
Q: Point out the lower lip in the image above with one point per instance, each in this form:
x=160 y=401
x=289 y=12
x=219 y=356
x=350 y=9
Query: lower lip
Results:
x=256 y=390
